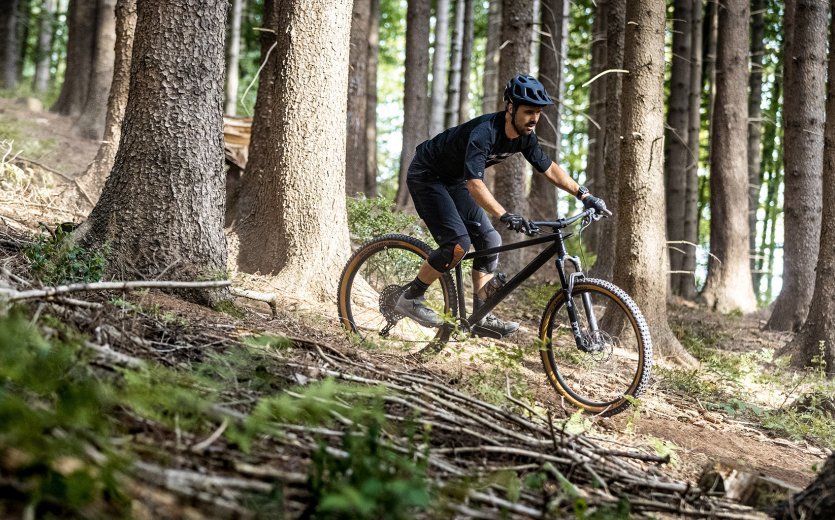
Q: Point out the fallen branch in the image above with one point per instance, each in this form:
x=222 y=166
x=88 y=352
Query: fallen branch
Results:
x=48 y=292
x=268 y=298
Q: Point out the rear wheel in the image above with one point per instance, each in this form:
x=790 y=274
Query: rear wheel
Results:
x=370 y=285
x=616 y=356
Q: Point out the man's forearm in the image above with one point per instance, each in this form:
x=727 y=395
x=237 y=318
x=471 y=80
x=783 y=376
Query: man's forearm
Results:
x=561 y=179
x=478 y=190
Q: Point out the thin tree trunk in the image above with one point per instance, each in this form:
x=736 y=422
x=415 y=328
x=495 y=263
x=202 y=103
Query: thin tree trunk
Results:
x=233 y=57
x=161 y=210
x=81 y=17
x=40 y=84
x=755 y=128
x=542 y=199
x=90 y=123
x=509 y=190
x=687 y=283
x=493 y=85
x=93 y=179
x=440 y=57
x=371 y=103
x=616 y=18
x=8 y=44
x=454 y=84
x=356 y=154
x=677 y=140
x=466 y=62
x=728 y=286
x=298 y=229
x=641 y=254
x=803 y=139
x=770 y=171
x=415 y=129
x=595 y=173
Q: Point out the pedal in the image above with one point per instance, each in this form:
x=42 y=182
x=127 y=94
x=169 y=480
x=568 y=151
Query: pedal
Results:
x=483 y=332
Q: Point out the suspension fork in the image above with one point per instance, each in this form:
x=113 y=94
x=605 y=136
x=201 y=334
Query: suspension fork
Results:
x=568 y=290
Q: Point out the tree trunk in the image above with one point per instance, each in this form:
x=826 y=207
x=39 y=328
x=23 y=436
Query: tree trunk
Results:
x=41 y=82
x=453 y=97
x=676 y=153
x=612 y=136
x=297 y=229
x=687 y=284
x=542 y=199
x=24 y=10
x=466 y=62
x=509 y=189
x=641 y=251
x=771 y=169
x=817 y=335
x=440 y=57
x=356 y=155
x=597 y=102
x=804 y=123
x=415 y=103
x=81 y=41
x=91 y=122
x=371 y=103
x=94 y=177
x=816 y=502
x=8 y=44
x=493 y=85
x=755 y=128
x=161 y=211
x=728 y=286
x=233 y=57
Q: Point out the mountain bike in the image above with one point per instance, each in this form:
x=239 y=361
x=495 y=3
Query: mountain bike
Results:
x=593 y=340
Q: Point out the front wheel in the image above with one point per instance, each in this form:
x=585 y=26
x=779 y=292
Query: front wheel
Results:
x=613 y=362
x=369 y=287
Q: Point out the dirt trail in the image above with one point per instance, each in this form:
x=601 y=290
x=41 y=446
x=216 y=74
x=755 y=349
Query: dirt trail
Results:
x=698 y=437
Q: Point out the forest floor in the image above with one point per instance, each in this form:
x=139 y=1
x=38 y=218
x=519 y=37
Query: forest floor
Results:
x=735 y=411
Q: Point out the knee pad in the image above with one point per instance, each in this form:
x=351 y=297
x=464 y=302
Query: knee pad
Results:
x=488 y=264
x=448 y=255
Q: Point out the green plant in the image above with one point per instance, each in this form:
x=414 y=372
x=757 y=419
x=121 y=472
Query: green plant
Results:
x=370 y=480
x=55 y=258
x=369 y=218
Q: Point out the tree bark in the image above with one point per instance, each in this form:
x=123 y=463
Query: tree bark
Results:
x=755 y=129
x=542 y=199
x=641 y=251
x=8 y=44
x=817 y=335
x=816 y=502
x=493 y=85
x=161 y=210
x=687 y=284
x=90 y=123
x=612 y=136
x=803 y=139
x=466 y=62
x=676 y=152
x=509 y=189
x=81 y=41
x=40 y=83
x=440 y=57
x=297 y=229
x=597 y=102
x=94 y=177
x=233 y=57
x=356 y=155
x=415 y=104
x=453 y=97
x=371 y=104
x=728 y=287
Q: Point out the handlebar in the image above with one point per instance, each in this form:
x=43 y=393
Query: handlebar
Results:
x=590 y=213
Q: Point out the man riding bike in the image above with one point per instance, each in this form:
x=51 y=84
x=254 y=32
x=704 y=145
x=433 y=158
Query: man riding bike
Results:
x=446 y=181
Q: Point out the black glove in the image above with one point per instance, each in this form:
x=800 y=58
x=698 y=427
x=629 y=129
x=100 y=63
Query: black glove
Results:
x=595 y=202
x=516 y=222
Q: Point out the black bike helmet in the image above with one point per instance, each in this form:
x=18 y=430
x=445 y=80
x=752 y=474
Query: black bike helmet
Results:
x=526 y=90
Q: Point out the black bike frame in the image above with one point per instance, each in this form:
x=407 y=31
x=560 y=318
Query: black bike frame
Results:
x=557 y=248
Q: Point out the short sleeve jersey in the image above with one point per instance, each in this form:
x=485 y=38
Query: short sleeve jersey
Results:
x=465 y=151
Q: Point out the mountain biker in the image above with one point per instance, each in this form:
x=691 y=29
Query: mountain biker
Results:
x=446 y=181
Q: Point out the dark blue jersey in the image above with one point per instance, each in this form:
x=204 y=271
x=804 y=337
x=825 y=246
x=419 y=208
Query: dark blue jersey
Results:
x=465 y=151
